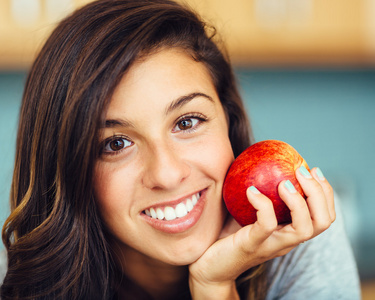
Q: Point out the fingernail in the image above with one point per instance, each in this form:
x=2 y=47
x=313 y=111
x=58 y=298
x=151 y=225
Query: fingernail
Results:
x=254 y=190
x=320 y=174
x=305 y=173
x=290 y=187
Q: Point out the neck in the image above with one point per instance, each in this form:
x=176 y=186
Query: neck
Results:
x=161 y=280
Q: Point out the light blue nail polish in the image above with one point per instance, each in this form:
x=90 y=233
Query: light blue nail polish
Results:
x=320 y=174
x=290 y=187
x=254 y=190
x=304 y=172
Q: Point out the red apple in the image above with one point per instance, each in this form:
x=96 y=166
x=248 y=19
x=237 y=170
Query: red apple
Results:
x=263 y=165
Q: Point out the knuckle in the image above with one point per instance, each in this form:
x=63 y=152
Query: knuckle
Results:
x=317 y=186
x=306 y=233
x=324 y=224
x=300 y=204
x=270 y=226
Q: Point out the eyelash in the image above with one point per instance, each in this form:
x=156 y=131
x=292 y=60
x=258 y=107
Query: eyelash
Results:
x=197 y=116
x=112 y=139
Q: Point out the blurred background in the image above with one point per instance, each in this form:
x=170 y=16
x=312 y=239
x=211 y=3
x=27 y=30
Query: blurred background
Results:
x=306 y=69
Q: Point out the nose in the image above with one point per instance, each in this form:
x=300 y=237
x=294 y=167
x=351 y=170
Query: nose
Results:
x=165 y=167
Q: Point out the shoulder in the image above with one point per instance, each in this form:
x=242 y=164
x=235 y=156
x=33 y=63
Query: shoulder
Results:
x=322 y=268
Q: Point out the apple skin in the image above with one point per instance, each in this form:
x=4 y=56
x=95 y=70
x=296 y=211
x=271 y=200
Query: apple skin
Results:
x=264 y=165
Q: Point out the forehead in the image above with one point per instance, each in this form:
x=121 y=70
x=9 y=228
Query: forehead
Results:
x=162 y=76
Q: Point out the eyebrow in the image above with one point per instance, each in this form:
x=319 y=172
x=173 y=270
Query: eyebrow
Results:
x=179 y=102
x=116 y=123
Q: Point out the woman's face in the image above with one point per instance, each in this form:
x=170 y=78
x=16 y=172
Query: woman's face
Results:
x=165 y=152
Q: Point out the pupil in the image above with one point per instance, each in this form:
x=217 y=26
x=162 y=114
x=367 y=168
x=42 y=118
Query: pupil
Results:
x=185 y=124
x=117 y=145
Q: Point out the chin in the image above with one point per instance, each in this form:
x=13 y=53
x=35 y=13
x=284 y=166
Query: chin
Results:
x=188 y=256
x=190 y=249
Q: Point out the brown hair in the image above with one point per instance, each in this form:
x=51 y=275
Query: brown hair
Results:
x=57 y=245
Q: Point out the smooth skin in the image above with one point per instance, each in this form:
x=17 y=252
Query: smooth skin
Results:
x=158 y=149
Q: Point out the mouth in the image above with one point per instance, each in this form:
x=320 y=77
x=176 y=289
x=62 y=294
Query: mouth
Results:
x=177 y=216
x=175 y=211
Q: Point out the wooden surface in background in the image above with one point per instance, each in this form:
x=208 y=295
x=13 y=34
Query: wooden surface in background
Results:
x=368 y=290
x=256 y=32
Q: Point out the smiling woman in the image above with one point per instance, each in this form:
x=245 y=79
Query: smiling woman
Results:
x=129 y=122
x=182 y=153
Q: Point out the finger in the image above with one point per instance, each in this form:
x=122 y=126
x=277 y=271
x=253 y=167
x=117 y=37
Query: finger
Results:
x=316 y=200
x=302 y=227
x=266 y=219
x=328 y=191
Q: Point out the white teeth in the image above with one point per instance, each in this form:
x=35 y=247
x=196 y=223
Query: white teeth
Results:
x=153 y=213
x=181 y=210
x=194 y=199
x=169 y=213
x=159 y=214
x=189 y=205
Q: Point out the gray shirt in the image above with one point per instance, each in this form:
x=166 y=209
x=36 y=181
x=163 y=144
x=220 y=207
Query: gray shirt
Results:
x=322 y=268
x=3 y=265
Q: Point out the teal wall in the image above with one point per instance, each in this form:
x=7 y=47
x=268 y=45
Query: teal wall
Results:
x=327 y=115
x=11 y=88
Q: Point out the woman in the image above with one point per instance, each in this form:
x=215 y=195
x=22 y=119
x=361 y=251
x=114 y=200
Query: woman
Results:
x=130 y=119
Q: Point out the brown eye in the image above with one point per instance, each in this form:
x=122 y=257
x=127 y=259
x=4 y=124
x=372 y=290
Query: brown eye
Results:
x=116 y=144
x=185 y=124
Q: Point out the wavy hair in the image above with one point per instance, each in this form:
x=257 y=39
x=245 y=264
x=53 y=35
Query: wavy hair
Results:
x=57 y=245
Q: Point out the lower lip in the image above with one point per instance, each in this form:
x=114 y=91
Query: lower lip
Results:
x=179 y=225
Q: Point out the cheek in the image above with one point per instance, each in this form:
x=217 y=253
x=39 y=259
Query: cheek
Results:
x=217 y=155
x=102 y=180
x=109 y=190
x=113 y=197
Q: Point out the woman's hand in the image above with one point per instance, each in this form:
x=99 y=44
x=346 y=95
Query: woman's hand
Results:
x=239 y=249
